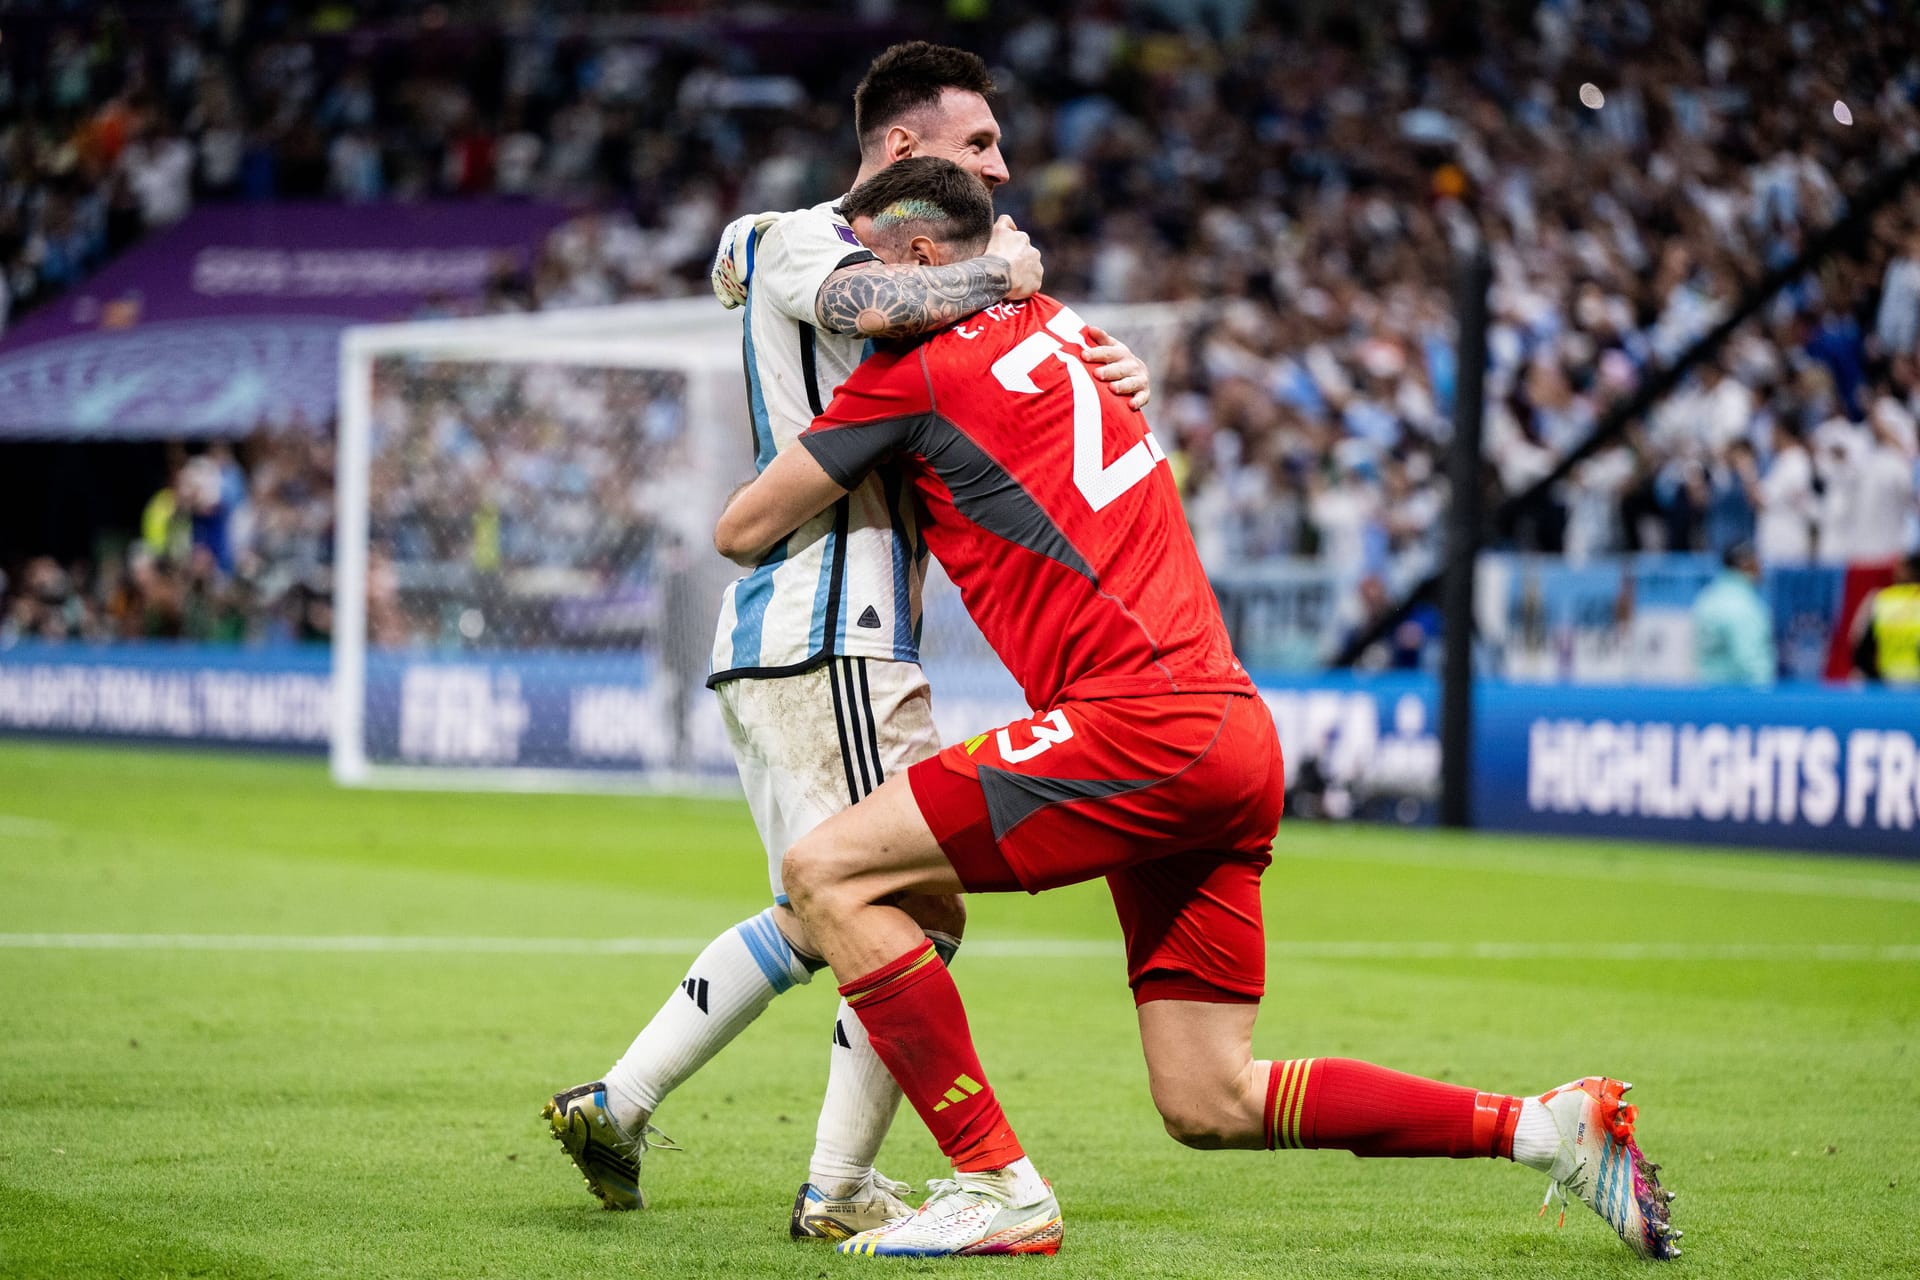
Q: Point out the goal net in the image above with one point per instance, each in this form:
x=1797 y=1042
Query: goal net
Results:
x=525 y=582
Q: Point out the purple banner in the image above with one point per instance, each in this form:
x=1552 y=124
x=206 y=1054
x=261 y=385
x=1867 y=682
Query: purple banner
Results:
x=232 y=318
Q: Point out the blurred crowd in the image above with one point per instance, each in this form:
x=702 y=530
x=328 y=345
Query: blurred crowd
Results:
x=1631 y=169
x=530 y=485
x=116 y=119
x=1307 y=179
x=234 y=548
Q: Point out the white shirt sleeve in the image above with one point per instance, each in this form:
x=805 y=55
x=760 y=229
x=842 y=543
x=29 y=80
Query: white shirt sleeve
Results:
x=797 y=254
x=1788 y=483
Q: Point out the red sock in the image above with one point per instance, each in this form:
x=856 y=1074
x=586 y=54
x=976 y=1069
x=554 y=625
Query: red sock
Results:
x=1371 y=1111
x=913 y=1016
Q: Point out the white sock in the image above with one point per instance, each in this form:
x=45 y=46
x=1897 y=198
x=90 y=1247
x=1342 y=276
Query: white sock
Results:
x=856 y=1113
x=1536 y=1140
x=1020 y=1183
x=861 y=1101
x=728 y=986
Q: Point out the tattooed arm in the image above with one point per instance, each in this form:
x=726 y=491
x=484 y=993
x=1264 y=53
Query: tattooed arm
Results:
x=871 y=300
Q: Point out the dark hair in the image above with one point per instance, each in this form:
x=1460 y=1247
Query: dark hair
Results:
x=932 y=194
x=910 y=76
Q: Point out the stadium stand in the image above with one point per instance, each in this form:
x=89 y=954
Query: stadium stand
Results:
x=1306 y=183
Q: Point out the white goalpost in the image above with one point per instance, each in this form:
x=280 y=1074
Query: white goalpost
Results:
x=524 y=582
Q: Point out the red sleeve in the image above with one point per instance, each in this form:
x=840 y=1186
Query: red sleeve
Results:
x=872 y=415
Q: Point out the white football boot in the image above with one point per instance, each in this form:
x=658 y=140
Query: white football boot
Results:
x=874 y=1203
x=1599 y=1162
x=964 y=1216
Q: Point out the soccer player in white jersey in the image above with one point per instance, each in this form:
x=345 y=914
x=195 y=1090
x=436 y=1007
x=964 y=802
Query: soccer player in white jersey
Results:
x=815 y=658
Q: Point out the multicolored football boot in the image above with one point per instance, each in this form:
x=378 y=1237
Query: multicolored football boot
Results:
x=607 y=1155
x=962 y=1219
x=819 y=1216
x=1599 y=1162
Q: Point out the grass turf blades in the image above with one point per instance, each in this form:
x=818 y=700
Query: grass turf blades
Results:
x=373 y=1110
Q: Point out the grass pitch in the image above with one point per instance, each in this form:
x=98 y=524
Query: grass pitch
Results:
x=252 y=1025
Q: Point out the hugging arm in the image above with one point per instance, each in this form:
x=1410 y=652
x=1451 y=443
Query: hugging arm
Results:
x=792 y=490
x=872 y=300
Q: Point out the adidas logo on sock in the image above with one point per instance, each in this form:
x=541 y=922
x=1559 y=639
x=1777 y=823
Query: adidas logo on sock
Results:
x=840 y=1035
x=696 y=989
x=964 y=1087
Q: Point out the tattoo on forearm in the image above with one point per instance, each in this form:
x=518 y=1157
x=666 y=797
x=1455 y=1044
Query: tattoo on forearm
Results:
x=900 y=302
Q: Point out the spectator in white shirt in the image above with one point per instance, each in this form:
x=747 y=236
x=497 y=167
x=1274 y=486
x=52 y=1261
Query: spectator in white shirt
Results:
x=1896 y=324
x=1727 y=406
x=1882 y=498
x=1783 y=531
x=159 y=168
x=1340 y=513
x=1840 y=451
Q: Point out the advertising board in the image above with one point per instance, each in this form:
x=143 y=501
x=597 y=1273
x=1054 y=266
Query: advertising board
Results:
x=1812 y=767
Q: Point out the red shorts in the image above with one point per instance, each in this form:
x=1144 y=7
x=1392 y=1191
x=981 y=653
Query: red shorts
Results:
x=1173 y=798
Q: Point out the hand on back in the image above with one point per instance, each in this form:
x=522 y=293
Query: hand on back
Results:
x=1012 y=245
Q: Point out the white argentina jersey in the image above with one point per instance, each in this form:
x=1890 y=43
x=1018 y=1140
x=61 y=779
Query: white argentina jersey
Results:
x=847 y=583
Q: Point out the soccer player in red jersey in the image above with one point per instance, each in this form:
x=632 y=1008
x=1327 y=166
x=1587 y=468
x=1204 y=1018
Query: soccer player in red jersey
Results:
x=1155 y=765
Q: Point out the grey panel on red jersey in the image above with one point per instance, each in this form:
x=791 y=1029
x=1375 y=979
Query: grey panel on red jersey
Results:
x=983 y=491
x=848 y=454
x=1012 y=797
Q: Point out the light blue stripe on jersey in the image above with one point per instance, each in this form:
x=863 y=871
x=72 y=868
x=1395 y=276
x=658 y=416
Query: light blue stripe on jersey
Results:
x=920 y=557
x=906 y=627
x=818 y=636
x=817 y=632
x=905 y=642
x=763 y=448
x=751 y=596
x=769 y=948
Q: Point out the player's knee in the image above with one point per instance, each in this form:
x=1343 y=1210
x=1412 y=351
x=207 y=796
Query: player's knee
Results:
x=808 y=872
x=1192 y=1124
x=800 y=873
x=1196 y=1111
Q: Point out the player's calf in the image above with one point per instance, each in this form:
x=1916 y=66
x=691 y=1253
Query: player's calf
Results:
x=1201 y=1071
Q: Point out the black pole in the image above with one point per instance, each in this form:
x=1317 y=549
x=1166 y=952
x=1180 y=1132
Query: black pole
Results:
x=1463 y=543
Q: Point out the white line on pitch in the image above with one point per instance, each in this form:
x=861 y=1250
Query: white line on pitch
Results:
x=985 y=948
x=1592 y=951
x=371 y=943
x=1633 y=871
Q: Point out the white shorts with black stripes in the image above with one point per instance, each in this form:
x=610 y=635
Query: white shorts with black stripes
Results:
x=811 y=744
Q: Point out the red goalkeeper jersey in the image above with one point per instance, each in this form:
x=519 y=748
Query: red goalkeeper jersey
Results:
x=1047 y=500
